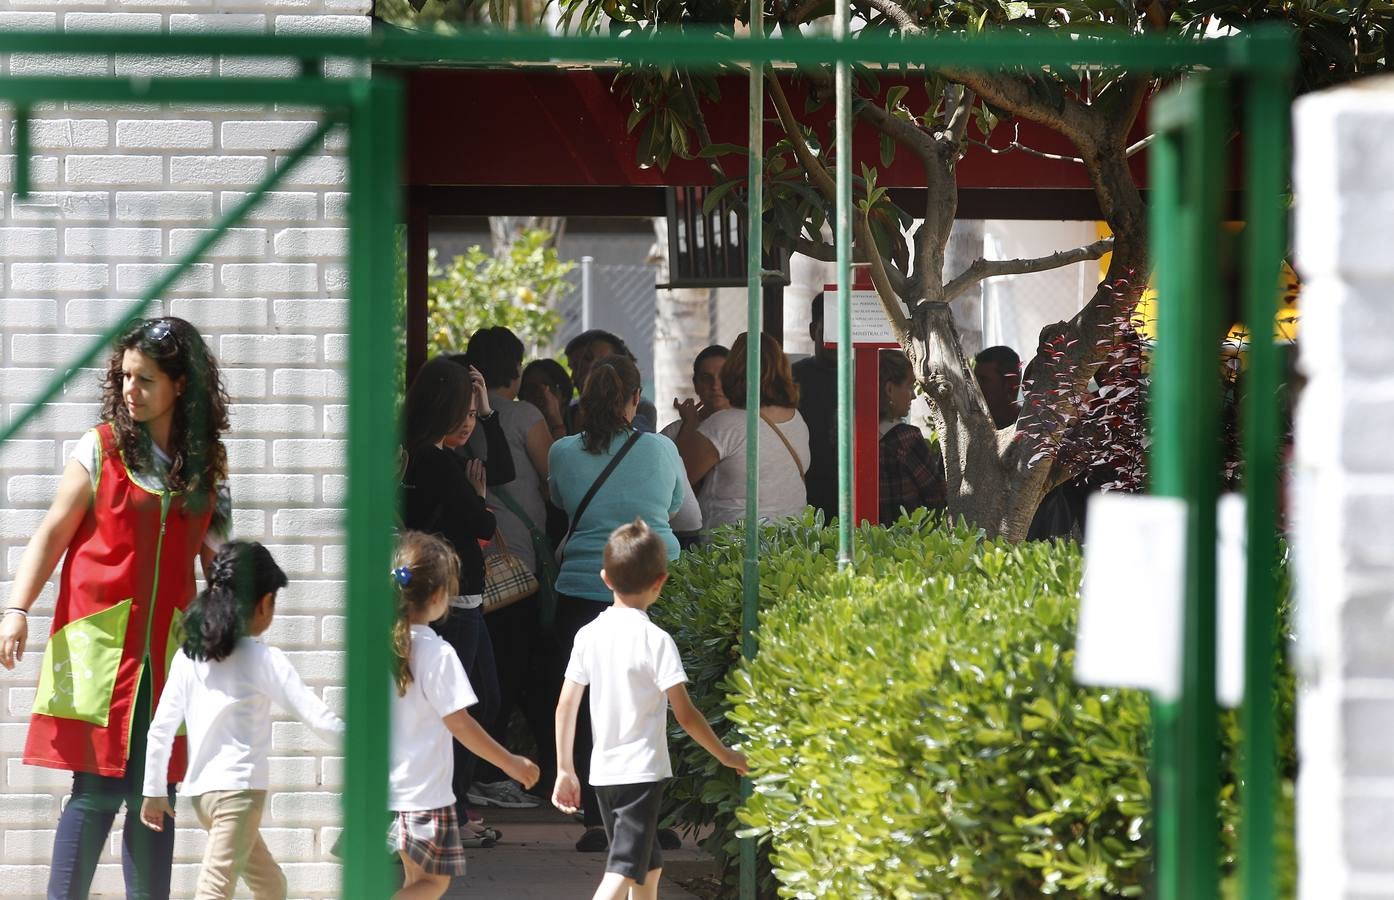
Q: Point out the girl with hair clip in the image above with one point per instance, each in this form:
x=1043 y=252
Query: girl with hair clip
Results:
x=604 y=477
x=221 y=685
x=143 y=495
x=430 y=706
x=443 y=494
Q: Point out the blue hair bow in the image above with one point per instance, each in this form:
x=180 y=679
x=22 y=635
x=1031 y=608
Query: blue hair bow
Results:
x=402 y=575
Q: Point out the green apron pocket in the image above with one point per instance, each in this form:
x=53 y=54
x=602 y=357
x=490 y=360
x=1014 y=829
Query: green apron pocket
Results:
x=80 y=664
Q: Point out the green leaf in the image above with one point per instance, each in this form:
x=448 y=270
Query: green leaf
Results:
x=714 y=196
x=887 y=149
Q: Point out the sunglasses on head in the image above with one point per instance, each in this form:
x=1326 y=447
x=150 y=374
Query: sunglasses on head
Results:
x=157 y=331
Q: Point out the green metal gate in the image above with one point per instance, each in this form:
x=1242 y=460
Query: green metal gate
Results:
x=1185 y=218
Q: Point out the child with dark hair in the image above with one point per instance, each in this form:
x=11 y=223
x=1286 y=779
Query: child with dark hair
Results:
x=430 y=706
x=633 y=671
x=221 y=685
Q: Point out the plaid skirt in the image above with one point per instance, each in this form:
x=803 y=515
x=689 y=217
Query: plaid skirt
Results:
x=429 y=838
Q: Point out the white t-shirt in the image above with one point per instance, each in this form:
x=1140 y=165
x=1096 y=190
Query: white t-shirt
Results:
x=782 y=491
x=227 y=708
x=688 y=518
x=421 y=754
x=516 y=419
x=629 y=663
x=87 y=451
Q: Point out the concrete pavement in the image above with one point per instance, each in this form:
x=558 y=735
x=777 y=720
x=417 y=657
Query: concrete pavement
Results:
x=536 y=859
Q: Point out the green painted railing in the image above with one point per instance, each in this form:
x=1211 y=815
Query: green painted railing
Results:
x=1186 y=215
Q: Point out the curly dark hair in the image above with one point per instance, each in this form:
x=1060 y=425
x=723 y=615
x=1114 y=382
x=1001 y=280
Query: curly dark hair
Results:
x=197 y=457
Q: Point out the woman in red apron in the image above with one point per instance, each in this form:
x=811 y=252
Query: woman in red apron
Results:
x=143 y=495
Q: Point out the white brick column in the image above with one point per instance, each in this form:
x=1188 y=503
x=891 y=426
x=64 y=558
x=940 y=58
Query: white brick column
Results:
x=1344 y=492
x=121 y=192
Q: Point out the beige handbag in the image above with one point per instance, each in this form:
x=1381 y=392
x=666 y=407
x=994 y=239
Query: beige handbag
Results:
x=507 y=579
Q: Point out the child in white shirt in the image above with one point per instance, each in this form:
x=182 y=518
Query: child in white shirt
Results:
x=633 y=670
x=429 y=706
x=221 y=684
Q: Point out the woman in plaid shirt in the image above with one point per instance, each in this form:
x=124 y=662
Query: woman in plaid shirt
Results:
x=911 y=476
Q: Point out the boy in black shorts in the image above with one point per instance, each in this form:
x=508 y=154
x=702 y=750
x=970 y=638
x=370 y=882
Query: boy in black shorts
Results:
x=633 y=670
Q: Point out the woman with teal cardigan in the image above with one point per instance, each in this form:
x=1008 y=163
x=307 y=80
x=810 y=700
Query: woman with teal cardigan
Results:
x=646 y=482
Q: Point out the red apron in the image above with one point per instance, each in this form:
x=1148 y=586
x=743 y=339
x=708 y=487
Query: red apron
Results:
x=125 y=583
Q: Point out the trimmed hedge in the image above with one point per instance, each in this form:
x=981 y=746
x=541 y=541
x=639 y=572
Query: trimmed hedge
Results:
x=913 y=728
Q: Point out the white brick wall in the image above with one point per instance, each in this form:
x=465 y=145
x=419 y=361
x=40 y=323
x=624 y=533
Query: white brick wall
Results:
x=121 y=192
x=1344 y=493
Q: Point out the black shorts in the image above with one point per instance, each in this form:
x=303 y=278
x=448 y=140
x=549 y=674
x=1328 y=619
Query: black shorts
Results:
x=630 y=815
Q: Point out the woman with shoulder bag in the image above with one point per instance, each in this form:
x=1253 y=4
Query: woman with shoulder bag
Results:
x=443 y=494
x=520 y=631
x=607 y=475
x=714 y=449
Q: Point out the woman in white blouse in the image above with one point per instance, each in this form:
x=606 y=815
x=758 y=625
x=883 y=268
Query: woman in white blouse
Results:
x=714 y=449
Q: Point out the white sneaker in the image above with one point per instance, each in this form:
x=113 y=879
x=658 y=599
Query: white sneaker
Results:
x=507 y=794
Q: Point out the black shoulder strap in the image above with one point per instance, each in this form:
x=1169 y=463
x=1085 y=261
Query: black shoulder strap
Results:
x=595 y=486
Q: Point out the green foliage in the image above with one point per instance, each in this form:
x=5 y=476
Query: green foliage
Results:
x=514 y=290
x=912 y=725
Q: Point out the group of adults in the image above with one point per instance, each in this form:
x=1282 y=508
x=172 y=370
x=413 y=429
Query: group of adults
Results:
x=539 y=460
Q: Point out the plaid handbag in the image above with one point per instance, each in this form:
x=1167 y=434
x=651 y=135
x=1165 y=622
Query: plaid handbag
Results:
x=546 y=560
x=507 y=579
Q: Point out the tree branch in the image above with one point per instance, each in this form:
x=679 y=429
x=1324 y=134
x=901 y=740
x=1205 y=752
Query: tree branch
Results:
x=958 y=119
x=920 y=143
x=898 y=14
x=1013 y=94
x=700 y=124
x=817 y=172
x=982 y=269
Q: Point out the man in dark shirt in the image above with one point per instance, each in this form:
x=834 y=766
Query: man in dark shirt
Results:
x=585 y=350
x=817 y=379
x=998 y=370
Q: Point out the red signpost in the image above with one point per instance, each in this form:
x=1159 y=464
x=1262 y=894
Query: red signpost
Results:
x=871 y=332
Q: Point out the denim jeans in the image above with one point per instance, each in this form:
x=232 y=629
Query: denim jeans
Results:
x=146 y=856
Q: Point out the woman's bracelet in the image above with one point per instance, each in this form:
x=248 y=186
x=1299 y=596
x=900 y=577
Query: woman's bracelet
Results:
x=17 y=609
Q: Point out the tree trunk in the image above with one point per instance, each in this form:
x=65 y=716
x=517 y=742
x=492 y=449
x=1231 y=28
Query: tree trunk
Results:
x=681 y=331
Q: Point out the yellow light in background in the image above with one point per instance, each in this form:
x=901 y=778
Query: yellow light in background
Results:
x=1285 y=323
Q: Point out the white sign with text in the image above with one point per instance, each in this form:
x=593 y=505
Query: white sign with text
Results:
x=870 y=326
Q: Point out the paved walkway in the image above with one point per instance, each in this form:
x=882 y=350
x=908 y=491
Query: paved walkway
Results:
x=537 y=859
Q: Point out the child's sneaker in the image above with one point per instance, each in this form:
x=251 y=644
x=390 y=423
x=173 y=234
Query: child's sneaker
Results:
x=506 y=794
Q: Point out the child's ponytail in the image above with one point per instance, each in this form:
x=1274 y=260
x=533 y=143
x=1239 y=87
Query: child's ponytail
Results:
x=242 y=573
x=423 y=567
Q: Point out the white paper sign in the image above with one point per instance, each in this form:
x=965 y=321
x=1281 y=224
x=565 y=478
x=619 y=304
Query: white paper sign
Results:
x=870 y=327
x=1131 y=604
x=1231 y=558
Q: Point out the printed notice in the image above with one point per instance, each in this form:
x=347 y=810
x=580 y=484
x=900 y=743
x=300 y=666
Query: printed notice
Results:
x=870 y=327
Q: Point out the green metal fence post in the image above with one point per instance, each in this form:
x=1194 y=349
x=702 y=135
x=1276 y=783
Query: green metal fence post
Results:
x=1186 y=460
x=375 y=128
x=754 y=328
x=843 y=240
x=1266 y=155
